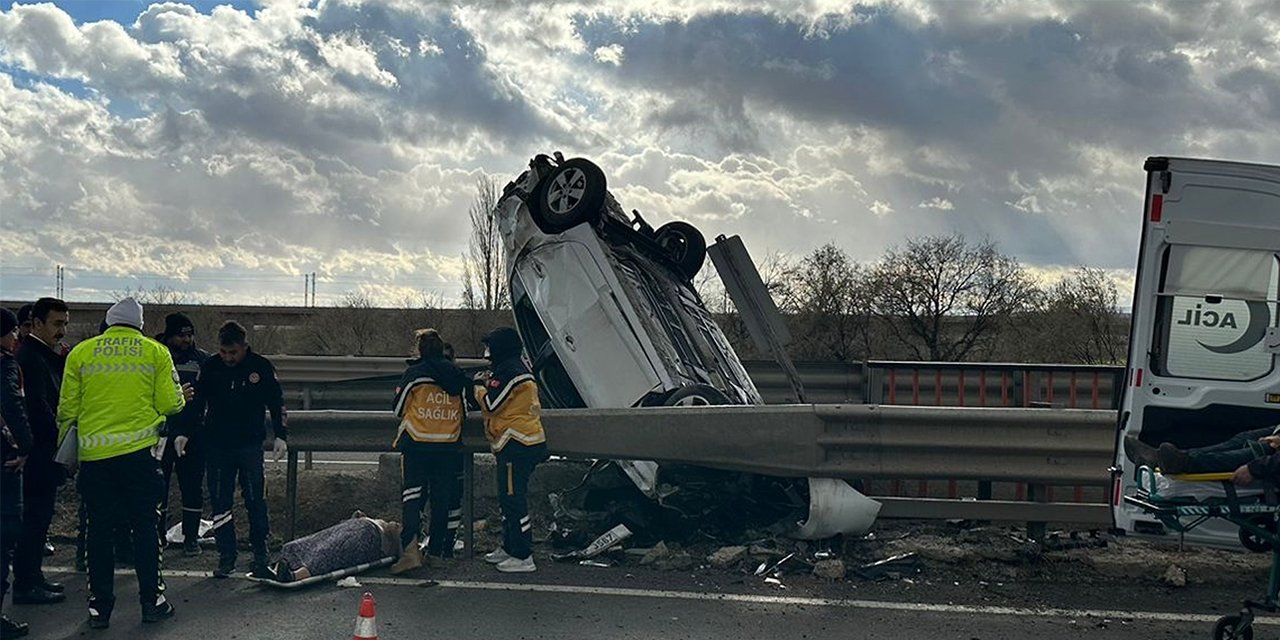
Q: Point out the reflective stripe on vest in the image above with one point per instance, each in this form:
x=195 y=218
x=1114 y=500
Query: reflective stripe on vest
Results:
x=97 y=440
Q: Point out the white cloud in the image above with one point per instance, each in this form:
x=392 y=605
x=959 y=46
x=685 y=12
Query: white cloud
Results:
x=344 y=136
x=941 y=204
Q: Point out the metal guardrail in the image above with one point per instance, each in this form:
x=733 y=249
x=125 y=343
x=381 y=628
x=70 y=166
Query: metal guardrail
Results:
x=341 y=382
x=1064 y=447
x=1035 y=446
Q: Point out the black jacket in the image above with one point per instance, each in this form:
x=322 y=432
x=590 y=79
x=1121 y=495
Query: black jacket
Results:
x=42 y=383
x=17 y=437
x=187 y=364
x=233 y=402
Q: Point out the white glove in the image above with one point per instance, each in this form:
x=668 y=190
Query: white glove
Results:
x=279 y=449
x=180 y=445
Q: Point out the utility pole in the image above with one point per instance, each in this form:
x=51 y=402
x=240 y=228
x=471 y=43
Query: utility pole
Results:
x=306 y=291
x=61 y=282
x=313 y=288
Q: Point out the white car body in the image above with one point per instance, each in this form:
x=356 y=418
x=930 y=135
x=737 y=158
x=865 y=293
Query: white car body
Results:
x=607 y=322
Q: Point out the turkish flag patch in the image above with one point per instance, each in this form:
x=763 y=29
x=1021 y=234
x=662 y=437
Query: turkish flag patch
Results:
x=494 y=383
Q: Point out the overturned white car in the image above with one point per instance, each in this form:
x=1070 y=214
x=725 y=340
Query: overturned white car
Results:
x=609 y=318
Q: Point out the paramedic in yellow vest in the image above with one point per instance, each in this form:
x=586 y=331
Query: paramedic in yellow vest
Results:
x=117 y=389
x=429 y=405
x=508 y=400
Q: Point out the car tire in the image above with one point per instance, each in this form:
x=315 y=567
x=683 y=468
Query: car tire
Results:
x=569 y=195
x=684 y=245
x=695 y=395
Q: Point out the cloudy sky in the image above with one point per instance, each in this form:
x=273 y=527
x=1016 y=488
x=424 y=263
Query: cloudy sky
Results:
x=227 y=150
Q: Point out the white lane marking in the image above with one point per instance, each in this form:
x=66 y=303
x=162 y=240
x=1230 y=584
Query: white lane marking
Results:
x=1109 y=614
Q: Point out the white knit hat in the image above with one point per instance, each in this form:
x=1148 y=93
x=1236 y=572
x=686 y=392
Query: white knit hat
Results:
x=127 y=311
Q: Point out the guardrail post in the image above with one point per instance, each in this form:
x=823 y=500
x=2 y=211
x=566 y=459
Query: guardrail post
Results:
x=468 y=505
x=306 y=406
x=873 y=379
x=984 y=489
x=1036 y=493
x=291 y=491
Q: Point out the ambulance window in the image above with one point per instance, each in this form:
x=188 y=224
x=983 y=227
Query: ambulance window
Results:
x=1216 y=305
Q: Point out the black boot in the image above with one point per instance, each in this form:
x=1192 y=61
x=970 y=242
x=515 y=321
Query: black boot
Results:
x=99 y=613
x=158 y=611
x=37 y=595
x=226 y=567
x=10 y=628
x=1139 y=452
x=1172 y=459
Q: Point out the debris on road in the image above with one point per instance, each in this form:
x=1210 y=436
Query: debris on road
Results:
x=349 y=582
x=656 y=553
x=1175 y=576
x=891 y=568
x=727 y=557
x=830 y=569
x=606 y=541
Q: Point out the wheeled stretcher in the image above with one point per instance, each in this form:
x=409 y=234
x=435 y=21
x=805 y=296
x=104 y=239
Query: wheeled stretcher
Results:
x=337 y=574
x=1190 y=501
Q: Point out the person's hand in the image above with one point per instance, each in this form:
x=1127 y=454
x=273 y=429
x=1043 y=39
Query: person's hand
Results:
x=15 y=465
x=180 y=445
x=188 y=392
x=1242 y=476
x=278 y=449
x=1271 y=441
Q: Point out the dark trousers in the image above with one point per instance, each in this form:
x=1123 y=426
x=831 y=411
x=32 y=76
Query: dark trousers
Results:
x=10 y=523
x=122 y=491
x=190 y=470
x=429 y=471
x=224 y=466
x=40 y=482
x=1239 y=450
x=515 y=466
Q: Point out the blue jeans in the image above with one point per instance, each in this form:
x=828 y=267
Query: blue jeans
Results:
x=1239 y=450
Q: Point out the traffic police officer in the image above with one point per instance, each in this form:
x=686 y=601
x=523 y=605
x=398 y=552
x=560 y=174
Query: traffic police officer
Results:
x=512 y=423
x=117 y=390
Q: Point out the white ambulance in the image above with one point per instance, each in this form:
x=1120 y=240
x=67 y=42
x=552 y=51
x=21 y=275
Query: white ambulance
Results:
x=1203 y=344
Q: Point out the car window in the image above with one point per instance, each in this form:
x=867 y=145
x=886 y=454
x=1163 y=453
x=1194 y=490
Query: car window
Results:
x=1216 y=305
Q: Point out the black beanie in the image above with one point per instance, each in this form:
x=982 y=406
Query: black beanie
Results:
x=8 y=321
x=504 y=344
x=174 y=323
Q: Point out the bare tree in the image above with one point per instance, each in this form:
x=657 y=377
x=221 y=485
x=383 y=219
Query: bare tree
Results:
x=1081 y=321
x=484 y=265
x=353 y=327
x=939 y=296
x=158 y=294
x=827 y=294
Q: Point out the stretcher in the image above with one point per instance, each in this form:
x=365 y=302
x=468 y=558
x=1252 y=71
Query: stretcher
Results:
x=336 y=574
x=1255 y=512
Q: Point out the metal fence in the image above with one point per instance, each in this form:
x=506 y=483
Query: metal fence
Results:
x=366 y=383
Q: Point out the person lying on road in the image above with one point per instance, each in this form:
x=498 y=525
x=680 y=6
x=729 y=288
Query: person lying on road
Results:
x=349 y=543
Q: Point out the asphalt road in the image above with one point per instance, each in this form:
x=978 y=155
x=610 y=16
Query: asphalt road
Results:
x=470 y=601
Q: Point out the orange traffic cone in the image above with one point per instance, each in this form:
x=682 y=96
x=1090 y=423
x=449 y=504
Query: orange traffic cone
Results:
x=366 y=625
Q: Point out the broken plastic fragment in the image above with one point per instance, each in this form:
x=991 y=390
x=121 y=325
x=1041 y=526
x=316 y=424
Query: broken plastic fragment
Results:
x=599 y=545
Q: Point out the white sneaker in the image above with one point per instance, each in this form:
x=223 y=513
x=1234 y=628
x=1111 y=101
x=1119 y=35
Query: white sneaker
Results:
x=516 y=565
x=497 y=556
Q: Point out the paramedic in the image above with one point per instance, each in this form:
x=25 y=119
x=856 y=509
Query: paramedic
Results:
x=234 y=392
x=429 y=404
x=508 y=400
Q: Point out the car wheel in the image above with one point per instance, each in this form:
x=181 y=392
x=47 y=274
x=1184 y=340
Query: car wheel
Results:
x=695 y=395
x=571 y=194
x=685 y=246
